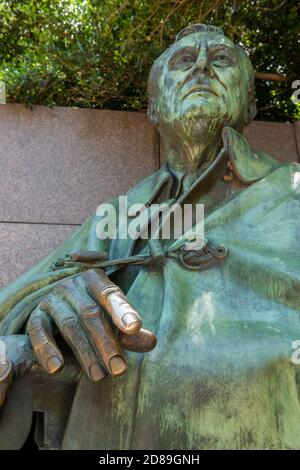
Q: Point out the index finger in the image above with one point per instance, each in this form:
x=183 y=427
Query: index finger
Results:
x=112 y=299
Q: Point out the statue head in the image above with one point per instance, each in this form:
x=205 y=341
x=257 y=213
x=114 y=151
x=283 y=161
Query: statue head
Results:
x=200 y=84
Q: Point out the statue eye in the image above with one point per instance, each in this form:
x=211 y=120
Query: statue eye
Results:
x=187 y=58
x=186 y=62
x=182 y=62
x=222 y=60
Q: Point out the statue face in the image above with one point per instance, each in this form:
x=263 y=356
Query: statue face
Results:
x=203 y=83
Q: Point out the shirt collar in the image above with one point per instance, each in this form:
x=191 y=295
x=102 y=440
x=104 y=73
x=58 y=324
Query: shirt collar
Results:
x=247 y=164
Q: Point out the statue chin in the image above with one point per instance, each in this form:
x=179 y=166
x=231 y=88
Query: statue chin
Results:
x=192 y=118
x=203 y=109
x=199 y=121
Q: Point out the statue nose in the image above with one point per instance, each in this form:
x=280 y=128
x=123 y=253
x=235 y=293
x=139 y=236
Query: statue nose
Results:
x=202 y=63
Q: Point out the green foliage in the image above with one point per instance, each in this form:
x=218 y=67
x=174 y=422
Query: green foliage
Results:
x=98 y=53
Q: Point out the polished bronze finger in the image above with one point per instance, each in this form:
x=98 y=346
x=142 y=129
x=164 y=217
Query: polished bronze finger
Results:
x=143 y=341
x=99 y=328
x=68 y=324
x=105 y=342
x=45 y=348
x=114 y=302
x=6 y=376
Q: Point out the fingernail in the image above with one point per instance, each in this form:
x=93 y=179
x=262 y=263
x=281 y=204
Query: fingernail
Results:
x=117 y=365
x=53 y=364
x=131 y=323
x=96 y=372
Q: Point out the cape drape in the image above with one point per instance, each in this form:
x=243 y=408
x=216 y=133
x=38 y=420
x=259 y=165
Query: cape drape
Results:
x=221 y=375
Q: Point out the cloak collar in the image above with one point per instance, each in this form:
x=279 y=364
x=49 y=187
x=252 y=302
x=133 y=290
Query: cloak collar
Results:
x=249 y=166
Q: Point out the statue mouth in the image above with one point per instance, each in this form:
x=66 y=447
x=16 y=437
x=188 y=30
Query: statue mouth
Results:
x=199 y=89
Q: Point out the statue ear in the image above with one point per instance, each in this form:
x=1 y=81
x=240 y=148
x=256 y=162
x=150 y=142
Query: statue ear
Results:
x=152 y=110
x=251 y=106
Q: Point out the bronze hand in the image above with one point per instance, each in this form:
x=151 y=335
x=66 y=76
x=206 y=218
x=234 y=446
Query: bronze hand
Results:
x=80 y=307
x=96 y=321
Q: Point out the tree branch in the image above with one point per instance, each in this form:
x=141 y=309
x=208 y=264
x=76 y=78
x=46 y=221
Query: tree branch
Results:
x=273 y=77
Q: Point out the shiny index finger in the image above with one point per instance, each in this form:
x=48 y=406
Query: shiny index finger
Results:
x=114 y=302
x=98 y=327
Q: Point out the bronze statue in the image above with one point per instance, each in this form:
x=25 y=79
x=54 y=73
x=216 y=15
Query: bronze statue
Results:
x=225 y=312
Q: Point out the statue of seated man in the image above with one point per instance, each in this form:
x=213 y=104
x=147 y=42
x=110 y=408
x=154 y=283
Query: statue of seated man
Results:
x=198 y=353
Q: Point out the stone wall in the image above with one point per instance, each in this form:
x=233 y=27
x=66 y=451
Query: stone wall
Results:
x=58 y=164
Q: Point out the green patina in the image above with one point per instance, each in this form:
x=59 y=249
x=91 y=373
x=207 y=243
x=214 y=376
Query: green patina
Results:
x=221 y=376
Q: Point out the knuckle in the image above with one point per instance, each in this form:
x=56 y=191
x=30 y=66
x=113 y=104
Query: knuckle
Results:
x=69 y=323
x=45 y=303
x=38 y=337
x=64 y=285
x=34 y=323
x=73 y=332
x=93 y=272
x=60 y=289
x=87 y=312
x=90 y=274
